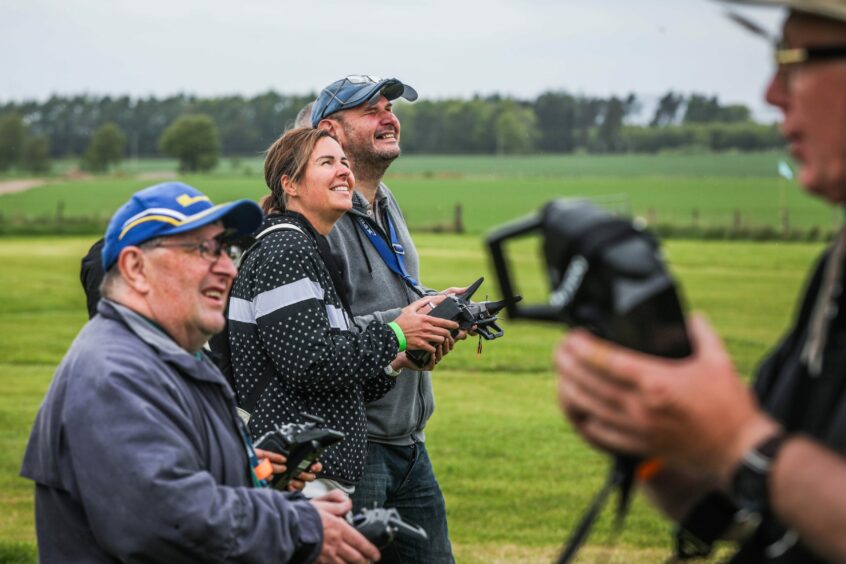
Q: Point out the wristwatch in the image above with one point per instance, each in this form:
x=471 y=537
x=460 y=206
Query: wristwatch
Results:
x=749 y=487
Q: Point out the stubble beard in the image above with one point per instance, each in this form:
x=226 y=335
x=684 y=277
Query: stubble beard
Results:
x=367 y=162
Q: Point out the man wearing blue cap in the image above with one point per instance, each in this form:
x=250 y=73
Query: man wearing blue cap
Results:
x=137 y=452
x=381 y=274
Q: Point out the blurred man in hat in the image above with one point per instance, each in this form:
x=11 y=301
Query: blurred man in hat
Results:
x=137 y=452
x=381 y=274
x=768 y=462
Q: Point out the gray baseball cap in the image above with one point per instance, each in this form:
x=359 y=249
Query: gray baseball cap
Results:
x=834 y=9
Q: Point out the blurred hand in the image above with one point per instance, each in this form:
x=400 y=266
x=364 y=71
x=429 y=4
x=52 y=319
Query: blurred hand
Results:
x=277 y=462
x=695 y=412
x=422 y=330
x=341 y=542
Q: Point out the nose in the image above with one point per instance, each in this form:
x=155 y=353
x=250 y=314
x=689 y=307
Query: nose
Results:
x=777 y=90
x=224 y=266
x=390 y=118
x=343 y=171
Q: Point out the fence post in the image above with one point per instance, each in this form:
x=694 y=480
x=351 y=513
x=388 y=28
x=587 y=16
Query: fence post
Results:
x=737 y=220
x=695 y=217
x=458 y=219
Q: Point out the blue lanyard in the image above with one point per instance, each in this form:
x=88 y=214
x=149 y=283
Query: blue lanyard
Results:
x=392 y=256
x=251 y=454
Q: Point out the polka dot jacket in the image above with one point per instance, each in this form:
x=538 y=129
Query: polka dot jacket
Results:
x=285 y=311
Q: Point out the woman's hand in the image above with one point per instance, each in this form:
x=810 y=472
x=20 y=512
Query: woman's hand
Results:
x=402 y=361
x=422 y=330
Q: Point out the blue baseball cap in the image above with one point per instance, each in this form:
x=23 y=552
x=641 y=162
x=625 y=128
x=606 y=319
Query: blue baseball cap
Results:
x=171 y=208
x=354 y=91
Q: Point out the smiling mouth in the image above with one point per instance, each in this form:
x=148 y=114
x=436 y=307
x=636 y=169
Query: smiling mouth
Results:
x=216 y=295
x=342 y=188
x=388 y=135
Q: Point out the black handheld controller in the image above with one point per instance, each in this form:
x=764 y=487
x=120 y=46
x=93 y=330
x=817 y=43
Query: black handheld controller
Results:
x=607 y=275
x=467 y=314
x=301 y=443
x=380 y=526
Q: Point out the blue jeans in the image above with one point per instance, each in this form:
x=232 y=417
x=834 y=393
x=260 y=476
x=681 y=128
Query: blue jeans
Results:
x=402 y=477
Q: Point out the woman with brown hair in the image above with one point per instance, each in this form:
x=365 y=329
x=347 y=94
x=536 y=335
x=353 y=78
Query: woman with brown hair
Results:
x=295 y=347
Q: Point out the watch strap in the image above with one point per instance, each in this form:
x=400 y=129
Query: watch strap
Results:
x=750 y=483
x=761 y=457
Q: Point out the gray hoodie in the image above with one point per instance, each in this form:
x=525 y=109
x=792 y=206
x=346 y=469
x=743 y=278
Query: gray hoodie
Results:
x=400 y=416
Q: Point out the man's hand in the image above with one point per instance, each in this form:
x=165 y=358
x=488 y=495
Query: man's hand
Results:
x=277 y=461
x=298 y=483
x=422 y=330
x=341 y=542
x=695 y=412
x=453 y=291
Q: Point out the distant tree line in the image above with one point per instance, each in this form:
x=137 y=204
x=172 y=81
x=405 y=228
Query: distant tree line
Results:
x=102 y=130
x=558 y=122
x=21 y=149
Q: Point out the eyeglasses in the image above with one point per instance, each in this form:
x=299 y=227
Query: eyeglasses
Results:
x=786 y=56
x=210 y=249
x=789 y=60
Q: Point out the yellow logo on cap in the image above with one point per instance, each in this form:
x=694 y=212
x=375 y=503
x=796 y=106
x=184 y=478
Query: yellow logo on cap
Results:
x=185 y=200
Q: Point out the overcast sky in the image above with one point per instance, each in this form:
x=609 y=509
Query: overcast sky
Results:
x=444 y=48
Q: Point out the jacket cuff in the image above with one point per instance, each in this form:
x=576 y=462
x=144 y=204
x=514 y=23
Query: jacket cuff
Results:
x=310 y=541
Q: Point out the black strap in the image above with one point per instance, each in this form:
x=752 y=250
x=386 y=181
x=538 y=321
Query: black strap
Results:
x=620 y=478
x=222 y=351
x=580 y=535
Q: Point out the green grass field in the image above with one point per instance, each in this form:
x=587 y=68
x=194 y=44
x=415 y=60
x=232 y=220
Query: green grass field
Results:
x=671 y=164
x=514 y=475
x=666 y=189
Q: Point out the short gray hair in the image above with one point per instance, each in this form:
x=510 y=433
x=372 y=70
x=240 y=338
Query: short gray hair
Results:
x=108 y=286
x=304 y=116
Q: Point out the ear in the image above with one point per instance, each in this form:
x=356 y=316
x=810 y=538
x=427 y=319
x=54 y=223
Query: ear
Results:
x=333 y=127
x=134 y=269
x=288 y=186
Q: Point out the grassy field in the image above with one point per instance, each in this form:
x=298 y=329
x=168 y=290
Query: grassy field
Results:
x=514 y=475
x=671 y=164
x=666 y=189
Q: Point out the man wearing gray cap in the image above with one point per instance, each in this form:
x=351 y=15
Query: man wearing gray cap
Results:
x=773 y=459
x=382 y=276
x=137 y=452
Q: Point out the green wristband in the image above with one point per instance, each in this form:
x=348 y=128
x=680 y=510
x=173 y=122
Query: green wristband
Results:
x=400 y=335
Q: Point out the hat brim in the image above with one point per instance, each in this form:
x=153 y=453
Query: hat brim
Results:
x=825 y=8
x=393 y=89
x=244 y=216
